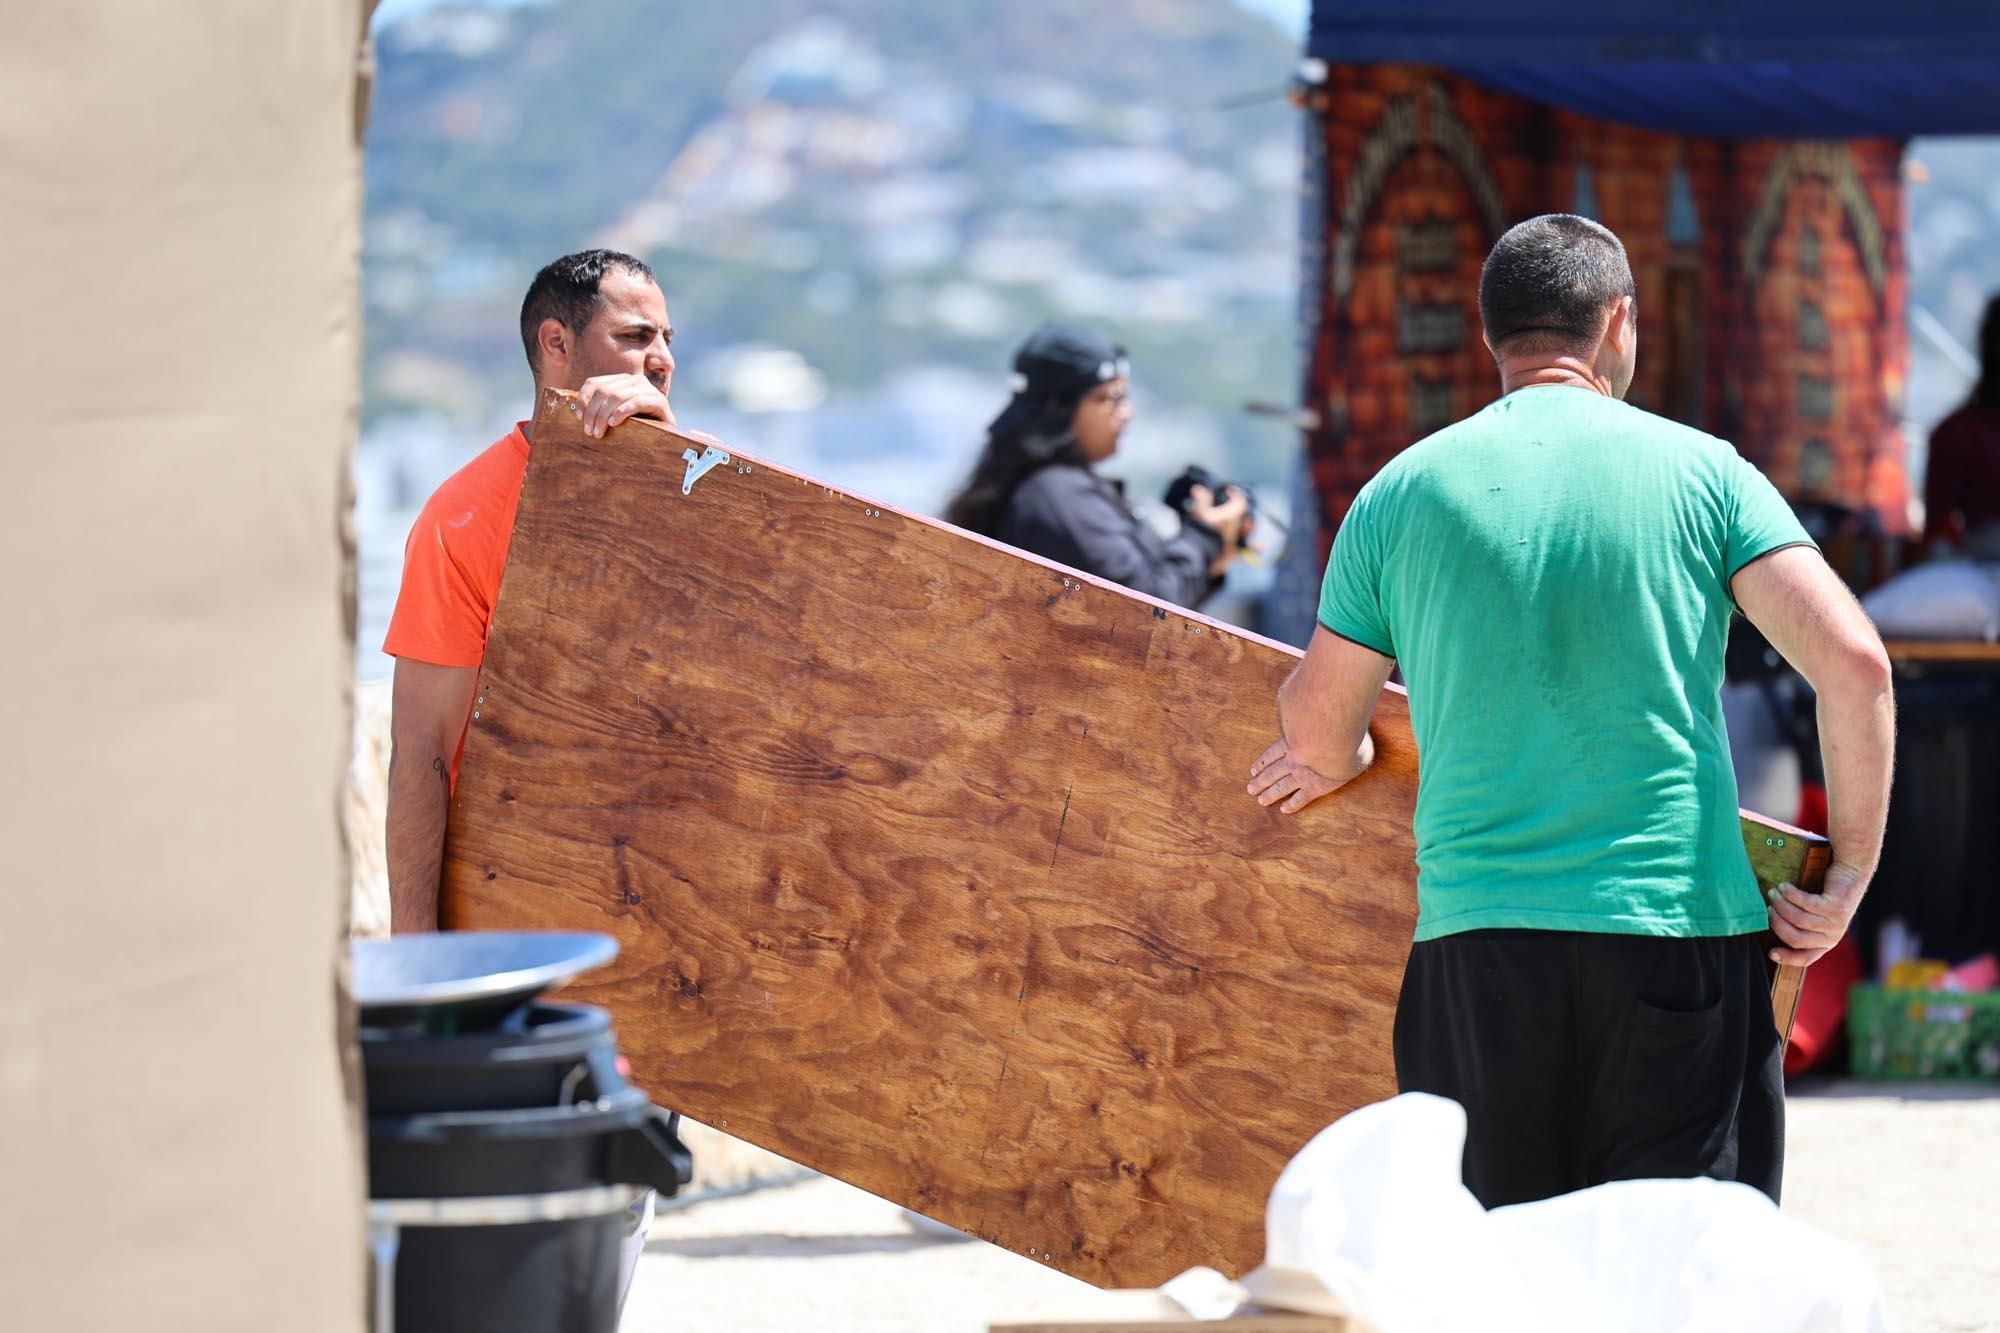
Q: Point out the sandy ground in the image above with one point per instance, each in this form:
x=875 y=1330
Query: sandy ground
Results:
x=1910 y=1175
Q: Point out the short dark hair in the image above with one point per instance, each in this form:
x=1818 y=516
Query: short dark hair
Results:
x=566 y=291
x=1548 y=282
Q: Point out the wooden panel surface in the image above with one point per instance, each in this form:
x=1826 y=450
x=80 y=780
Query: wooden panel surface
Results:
x=931 y=863
x=1941 y=650
x=1781 y=854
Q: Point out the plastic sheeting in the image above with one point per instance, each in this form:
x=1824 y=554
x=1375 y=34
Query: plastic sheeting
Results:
x=1946 y=599
x=1778 y=68
x=179 y=232
x=1371 y=1219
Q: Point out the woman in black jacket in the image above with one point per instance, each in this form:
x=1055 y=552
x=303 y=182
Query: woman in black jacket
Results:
x=1034 y=485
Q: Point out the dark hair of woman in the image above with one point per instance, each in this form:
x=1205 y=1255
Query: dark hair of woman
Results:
x=1987 y=392
x=1012 y=456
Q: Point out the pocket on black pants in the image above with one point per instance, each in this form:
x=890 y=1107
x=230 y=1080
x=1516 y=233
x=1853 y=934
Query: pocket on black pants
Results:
x=1674 y=1112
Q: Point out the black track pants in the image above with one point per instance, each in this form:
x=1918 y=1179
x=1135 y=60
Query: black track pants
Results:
x=1583 y=1058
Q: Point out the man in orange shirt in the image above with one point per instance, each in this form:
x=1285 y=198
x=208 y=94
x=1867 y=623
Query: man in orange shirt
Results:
x=592 y=322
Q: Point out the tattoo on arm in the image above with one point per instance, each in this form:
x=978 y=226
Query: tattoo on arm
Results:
x=438 y=766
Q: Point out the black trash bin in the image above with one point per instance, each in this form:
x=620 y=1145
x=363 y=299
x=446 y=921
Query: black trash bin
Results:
x=1935 y=873
x=504 y=1148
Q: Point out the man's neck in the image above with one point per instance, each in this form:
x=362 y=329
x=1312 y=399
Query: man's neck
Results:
x=535 y=408
x=1566 y=370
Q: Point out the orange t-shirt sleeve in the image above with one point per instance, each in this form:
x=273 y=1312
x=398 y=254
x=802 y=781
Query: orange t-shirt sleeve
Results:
x=443 y=608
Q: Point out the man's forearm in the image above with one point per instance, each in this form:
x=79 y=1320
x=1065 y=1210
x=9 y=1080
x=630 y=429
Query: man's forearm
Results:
x=1857 y=729
x=1315 y=738
x=419 y=799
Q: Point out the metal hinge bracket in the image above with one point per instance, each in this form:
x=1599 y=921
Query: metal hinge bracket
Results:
x=698 y=465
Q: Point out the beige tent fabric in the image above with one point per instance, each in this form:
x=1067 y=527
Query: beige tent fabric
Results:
x=179 y=233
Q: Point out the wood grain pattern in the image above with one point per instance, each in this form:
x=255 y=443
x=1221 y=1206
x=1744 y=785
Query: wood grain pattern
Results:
x=1781 y=854
x=930 y=862
x=1941 y=650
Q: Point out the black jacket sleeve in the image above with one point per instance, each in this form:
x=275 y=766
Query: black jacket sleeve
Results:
x=1070 y=515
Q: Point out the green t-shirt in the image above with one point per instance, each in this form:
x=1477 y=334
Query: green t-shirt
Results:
x=1552 y=575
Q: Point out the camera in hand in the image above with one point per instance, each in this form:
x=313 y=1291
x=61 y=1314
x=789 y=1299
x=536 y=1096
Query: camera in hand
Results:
x=1262 y=538
x=1180 y=497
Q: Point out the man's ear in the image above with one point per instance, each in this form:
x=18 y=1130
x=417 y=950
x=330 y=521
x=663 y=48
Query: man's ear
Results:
x=1621 y=331
x=553 y=340
x=1610 y=335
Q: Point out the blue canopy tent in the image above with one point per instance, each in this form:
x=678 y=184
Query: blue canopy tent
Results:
x=1831 y=69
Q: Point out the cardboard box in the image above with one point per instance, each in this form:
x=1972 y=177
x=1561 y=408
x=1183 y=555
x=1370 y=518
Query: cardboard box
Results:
x=1246 y=1323
x=1237 y=1323
x=1144 y=1310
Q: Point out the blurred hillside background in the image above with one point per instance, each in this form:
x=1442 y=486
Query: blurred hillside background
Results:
x=857 y=208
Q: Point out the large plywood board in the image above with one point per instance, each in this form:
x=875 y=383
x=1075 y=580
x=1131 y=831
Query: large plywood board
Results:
x=931 y=863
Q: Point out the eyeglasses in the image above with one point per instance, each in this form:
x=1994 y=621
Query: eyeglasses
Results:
x=1112 y=398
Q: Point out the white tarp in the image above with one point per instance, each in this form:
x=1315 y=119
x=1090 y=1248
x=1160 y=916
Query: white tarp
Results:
x=1948 y=599
x=1371 y=1219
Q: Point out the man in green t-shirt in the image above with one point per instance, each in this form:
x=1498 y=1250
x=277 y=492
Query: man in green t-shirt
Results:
x=1555 y=574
